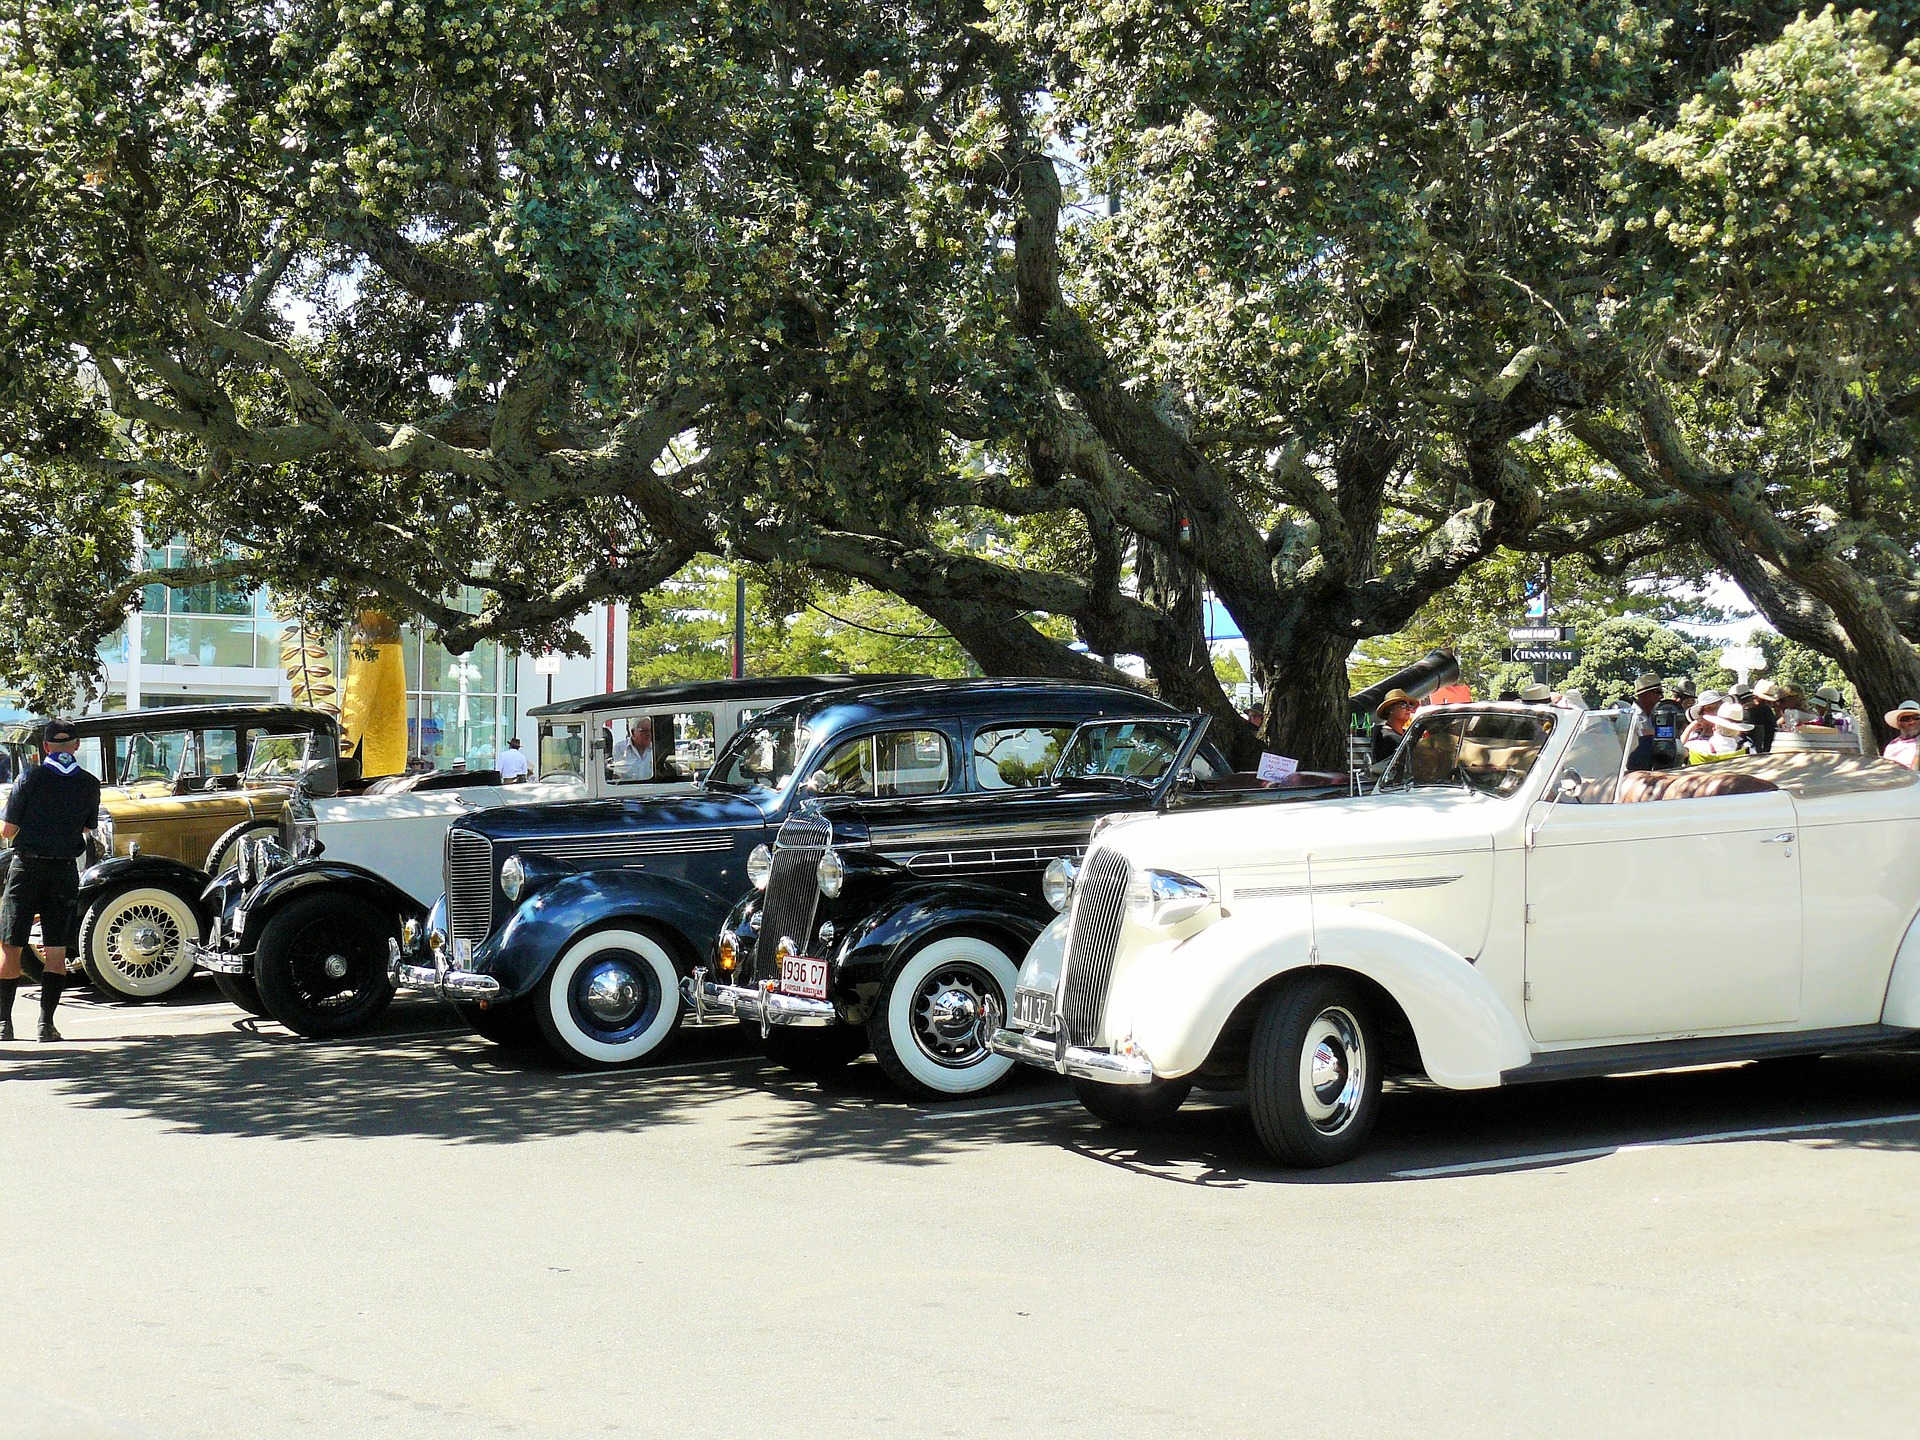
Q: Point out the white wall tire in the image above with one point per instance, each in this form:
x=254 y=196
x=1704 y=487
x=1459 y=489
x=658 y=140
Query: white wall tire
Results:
x=919 y=1030
x=612 y=998
x=137 y=942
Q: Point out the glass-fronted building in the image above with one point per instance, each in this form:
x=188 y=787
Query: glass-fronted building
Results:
x=223 y=642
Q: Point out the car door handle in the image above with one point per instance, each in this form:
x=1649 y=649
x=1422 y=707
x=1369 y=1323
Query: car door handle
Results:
x=1784 y=838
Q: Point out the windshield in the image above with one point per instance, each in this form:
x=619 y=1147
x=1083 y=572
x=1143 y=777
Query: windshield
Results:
x=1480 y=750
x=758 y=759
x=278 y=757
x=151 y=755
x=1137 y=751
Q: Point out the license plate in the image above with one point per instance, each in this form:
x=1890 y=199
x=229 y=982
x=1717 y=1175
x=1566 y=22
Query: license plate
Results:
x=803 y=977
x=1033 y=1009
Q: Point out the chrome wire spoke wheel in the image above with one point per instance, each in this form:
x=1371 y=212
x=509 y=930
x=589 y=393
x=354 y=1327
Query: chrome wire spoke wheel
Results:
x=947 y=1008
x=144 y=941
x=1333 y=1070
x=138 y=943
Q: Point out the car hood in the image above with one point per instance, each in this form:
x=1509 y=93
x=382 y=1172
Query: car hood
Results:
x=702 y=810
x=1423 y=822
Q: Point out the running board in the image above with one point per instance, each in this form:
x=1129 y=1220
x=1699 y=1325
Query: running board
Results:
x=1706 y=1050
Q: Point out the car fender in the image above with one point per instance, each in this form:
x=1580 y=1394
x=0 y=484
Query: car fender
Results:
x=157 y=870
x=1176 y=998
x=520 y=953
x=318 y=876
x=1902 y=1003
x=885 y=939
x=1040 y=970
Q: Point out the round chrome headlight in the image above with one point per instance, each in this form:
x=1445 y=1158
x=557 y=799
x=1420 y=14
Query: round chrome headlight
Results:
x=513 y=877
x=409 y=933
x=760 y=866
x=1164 y=897
x=1056 y=884
x=832 y=874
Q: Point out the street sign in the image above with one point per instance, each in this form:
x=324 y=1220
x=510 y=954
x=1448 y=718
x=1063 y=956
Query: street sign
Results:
x=547 y=663
x=1544 y=654
x=1539 y=634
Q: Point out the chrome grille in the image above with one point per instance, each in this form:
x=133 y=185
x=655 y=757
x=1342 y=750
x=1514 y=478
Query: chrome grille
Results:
x=469 y=885
x=1099 y=901
x=793 y=891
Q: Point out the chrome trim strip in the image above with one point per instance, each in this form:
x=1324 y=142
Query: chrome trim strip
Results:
x=631 y=845
x=1082 y=1063
x=218 y=962
x=1344 y=887
x=1012 y=857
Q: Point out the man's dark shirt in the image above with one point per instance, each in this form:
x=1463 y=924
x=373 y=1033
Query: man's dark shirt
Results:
x=1764 y=724
x=53 y=806
x=1385 y=742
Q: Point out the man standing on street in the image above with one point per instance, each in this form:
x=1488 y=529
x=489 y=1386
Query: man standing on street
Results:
x=48 y=816
x=513 y=763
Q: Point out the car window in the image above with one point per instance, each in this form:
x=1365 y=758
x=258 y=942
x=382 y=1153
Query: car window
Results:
x=1596 y=754
x=651 y=747
x=1481 y=750
x=759 y=758
x=899 y=762
x=1136 y=750
x=277 y=757
x=153 y=755
x=562 y=748
x=220 y=752
x=1015 y=757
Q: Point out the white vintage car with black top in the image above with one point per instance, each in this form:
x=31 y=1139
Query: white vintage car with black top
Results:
x=1510 y=906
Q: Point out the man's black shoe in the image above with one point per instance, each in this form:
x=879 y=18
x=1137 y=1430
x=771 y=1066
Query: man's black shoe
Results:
x=48 y=1035
x=6 y=1028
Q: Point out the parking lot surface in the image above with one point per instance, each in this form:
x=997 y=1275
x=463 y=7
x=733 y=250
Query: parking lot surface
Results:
x=222 y=1230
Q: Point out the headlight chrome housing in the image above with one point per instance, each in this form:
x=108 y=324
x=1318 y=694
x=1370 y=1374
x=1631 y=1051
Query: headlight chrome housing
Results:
x=409 y=933
x=727 y=952
x=1056 y=884
x=513 y=878
x=760 y=866
x=831 y=873
x=1164 y=897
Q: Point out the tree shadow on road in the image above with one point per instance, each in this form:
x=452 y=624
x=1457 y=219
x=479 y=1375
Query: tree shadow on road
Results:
x=442 y=1083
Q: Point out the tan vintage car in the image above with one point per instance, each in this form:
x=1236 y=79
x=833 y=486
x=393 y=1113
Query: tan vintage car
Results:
x=182 y=788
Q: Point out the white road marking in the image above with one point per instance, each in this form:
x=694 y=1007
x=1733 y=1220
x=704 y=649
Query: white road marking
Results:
x=1594 y=1152
x=1000 y=1110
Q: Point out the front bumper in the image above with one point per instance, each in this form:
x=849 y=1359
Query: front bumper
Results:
x=219 y=962
x=761 y=1004
x=1075 y=1060
x=439 y=979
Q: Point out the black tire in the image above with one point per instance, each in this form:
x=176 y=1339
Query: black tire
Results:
x=321 y=965
x=241 y=991
x=814 y=1051
x=1133 y=1107
x=1323 y=1116
x=920 y=1055
x=136 y=941
x=225 y=853
x=511 y=1025
x=611 y=998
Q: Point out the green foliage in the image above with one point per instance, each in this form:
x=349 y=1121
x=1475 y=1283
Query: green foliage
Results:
x=1228 y=667
x=1617 y=650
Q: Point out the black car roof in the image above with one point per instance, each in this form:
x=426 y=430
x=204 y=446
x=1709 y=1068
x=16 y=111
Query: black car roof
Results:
x=709 y=692
x=185 y=717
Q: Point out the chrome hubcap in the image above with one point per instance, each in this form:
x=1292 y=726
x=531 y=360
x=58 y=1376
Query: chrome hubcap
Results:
x=946 y=1015
x=145 y=940
x=336 y=967
x=1333 y=1070
x=612 y=996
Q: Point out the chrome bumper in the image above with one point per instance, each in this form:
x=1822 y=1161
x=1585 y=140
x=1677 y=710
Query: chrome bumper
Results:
x=1044 y=1051
x=439 y=979
x=218 y=962
x=761 y=1004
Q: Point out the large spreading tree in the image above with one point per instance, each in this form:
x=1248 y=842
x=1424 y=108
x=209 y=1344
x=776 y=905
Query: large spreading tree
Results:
x=1313 y=305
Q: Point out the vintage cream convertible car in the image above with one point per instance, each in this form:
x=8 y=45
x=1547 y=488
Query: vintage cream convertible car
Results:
x=1508 y=906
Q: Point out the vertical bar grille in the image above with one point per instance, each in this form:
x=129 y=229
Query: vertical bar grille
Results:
x=469 y=885
x=1099 y=901
x=793 y=891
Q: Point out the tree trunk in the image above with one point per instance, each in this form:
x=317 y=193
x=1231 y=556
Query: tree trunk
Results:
x=1306 y=690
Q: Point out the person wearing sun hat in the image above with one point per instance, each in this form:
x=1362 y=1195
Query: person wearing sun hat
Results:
x=1391 y=716
x=1763 y=709
x=1656 y=724
x=1825 y=704
x=1730 y=731
x=1904 y=721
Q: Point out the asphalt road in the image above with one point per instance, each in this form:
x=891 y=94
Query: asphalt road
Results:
x=221 y=1231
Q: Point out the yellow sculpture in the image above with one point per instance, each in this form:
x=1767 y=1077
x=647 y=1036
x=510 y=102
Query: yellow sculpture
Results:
x=373 y=721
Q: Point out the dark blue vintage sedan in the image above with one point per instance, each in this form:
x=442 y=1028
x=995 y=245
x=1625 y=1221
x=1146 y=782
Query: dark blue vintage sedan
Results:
x=574 y=924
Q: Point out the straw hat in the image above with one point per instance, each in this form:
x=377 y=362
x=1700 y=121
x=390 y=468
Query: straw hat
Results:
x=1765 y=690
x=1393 y=697
x=1742 y=692
x=1536 y=695
x=1905 y=710
x=1681 y=688
x=1731 y=717
x=1827 y=695
x=1646 y=681
x=1707 y=698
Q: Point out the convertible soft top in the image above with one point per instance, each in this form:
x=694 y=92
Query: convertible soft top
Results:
x=1814 y=774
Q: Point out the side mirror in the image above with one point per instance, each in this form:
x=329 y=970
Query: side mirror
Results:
x=322 y=778
x=1569 y=787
